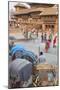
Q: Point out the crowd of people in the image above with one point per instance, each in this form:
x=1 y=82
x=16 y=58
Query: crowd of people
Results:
x=47 y=39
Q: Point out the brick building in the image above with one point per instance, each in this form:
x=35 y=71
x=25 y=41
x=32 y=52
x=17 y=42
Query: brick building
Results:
x=42 y=17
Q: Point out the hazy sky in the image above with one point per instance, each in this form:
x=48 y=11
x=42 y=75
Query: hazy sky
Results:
x=11 y=5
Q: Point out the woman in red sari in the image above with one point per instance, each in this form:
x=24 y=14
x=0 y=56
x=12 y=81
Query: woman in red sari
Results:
x=54 y=41
x=47 y=45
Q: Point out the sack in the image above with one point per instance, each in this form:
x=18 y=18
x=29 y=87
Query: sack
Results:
x=21 y=68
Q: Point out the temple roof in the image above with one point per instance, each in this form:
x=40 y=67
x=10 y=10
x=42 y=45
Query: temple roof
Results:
x=42 y=11
x=28 y=11
x=19 y=4
x=49 y=11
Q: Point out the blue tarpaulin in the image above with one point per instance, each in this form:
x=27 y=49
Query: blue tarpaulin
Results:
x=16 y=48
x=21 y=52
x=31 y=55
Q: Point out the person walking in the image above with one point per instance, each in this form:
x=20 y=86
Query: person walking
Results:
x=47 y=45
x=45 y=37
x=42 y=37
x=54 y=41
x=50 y=37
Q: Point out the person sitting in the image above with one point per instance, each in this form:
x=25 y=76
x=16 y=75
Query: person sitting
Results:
x=41 y=58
